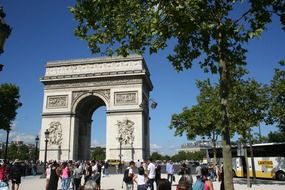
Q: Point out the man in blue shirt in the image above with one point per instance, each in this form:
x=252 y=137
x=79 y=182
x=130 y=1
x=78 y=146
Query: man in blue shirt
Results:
x=169 y=170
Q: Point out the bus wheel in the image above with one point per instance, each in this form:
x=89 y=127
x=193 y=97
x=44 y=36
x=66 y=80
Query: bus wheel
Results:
x=280 y=175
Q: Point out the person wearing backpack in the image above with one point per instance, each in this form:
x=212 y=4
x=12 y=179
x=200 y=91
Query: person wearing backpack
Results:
x=129 y=175
x=203 y=183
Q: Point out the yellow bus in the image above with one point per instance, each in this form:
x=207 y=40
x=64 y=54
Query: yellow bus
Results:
x=269 y=160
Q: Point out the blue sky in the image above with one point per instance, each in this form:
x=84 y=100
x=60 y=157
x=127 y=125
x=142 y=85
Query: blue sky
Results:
x=43 y=31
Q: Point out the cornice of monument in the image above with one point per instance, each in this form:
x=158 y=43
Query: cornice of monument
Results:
x=58 y=63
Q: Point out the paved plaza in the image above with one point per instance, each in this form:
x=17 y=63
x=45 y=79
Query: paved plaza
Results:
x=114 y=182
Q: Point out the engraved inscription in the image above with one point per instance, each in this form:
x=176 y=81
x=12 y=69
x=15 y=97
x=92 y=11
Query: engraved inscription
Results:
x=57 y=101
x=125 y=98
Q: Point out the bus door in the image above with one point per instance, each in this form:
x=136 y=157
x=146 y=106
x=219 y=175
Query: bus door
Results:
x=240 y=167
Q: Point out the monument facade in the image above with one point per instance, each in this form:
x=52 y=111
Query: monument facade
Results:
x=74 y=89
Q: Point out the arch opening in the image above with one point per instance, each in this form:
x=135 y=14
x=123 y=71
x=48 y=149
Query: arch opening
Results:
x=84 y=111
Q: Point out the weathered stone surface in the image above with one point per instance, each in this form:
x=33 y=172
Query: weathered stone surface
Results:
x=73 y=89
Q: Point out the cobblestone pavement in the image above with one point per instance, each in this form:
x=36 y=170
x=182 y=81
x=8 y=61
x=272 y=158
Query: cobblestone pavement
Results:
x=114 y=182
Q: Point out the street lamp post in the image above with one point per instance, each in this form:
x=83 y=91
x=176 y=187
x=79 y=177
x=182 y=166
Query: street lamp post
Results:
x=6 y=148
x=36 y=153
x=46 y=142
x=120 y=155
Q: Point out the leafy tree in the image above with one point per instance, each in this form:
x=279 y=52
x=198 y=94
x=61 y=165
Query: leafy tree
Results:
x=9 y=103
x=249 y=104
x=277 y=101
x=23 y=152
x=12 y=152
x=156 y=156
x=276 y=137
x=98 y=153
x=202 y=119
x=211 y=32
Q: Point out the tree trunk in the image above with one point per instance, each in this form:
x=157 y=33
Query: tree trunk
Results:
x=247 y=168
x=214 y=152
x=252 y=158
x=226 y=140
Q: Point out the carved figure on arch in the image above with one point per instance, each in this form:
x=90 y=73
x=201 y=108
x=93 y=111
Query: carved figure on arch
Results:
x=126 y=131
x=55 y=136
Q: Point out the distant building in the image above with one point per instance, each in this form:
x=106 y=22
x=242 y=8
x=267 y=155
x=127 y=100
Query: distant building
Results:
x=17 y=142
x=195 y=146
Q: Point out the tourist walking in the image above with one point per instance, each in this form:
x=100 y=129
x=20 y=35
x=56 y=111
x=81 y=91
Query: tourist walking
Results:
x=54 y=176
x=15 y=175
x=203 y=181
x=65 y=176
x=169 y=171
x=129 y=175
x=141 y=179
x=3 y=176
x=157 y=173
x=48 y=173
x=185 y=182
x=77 y=175
x=151 y=174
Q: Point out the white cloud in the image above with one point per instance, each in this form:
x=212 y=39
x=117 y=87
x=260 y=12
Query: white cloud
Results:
x=155 y=146
x=27 y=138
x=95 y=143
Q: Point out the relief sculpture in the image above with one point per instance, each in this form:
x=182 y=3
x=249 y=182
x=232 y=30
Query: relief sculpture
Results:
x=55 y=133
x=126 y=131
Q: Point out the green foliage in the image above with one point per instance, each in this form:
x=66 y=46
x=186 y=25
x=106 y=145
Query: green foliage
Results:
x=277 y=100
x=21 y=152
x=276 y=137
x=182 y=155
x=202 y=119
x=12 y=152
x=156 y=156
x=24 y=153
x=209 y=32
x=248 y=105
x=9 y=103
x=98 y=153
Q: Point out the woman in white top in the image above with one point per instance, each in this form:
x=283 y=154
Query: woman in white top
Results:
x=141 y=179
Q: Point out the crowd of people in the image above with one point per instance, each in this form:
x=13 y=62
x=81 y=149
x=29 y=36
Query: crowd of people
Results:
x=87 y=175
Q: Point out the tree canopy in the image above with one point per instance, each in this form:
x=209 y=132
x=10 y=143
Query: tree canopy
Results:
x=212 y=33
x=9 y=103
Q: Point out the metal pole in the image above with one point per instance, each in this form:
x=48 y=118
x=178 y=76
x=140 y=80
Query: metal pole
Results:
x=45 y=161
x=36 y=153
x=120 y=156
x=6 y=148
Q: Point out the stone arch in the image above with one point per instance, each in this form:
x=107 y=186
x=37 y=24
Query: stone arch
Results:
x=83 y=95
x=74 y=89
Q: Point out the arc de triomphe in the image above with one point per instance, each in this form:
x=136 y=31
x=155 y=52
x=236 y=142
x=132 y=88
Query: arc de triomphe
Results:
x=74 y=89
